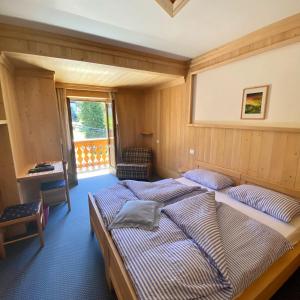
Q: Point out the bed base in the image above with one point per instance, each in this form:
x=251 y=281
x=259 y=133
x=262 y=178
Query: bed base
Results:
x=118 y=279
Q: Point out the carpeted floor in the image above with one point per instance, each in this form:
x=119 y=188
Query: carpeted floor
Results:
x=70 y=265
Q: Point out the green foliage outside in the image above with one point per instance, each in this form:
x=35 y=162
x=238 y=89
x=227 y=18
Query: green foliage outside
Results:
x=89 y=119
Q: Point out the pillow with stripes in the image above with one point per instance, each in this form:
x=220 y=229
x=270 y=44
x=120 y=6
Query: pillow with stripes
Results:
x=275 y=204
x=213 y=180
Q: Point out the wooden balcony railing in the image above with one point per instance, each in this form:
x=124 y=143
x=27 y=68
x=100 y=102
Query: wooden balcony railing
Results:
x=91 y=154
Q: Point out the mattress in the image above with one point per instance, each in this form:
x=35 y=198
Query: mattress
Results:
x=291 y=231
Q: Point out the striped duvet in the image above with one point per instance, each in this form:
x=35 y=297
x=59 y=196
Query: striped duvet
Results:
x=201 y=250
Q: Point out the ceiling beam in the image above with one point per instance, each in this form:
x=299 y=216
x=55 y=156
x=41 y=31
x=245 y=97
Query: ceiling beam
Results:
x=31 y=41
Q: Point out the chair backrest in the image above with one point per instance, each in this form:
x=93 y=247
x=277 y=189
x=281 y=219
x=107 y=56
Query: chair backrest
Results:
x=137 y=155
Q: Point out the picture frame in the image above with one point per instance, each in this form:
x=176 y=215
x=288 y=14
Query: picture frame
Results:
x=254 y=103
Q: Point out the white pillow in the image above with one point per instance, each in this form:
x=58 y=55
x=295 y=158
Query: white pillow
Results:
x=278 y=205
x=213 y=180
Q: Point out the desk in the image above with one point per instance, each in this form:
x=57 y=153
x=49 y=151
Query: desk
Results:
x=29 y=184
x=58 y=171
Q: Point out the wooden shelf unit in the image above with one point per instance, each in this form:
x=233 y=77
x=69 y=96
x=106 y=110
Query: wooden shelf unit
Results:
x=8 y=184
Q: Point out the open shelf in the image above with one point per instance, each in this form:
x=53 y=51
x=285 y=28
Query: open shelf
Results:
x=3 y=122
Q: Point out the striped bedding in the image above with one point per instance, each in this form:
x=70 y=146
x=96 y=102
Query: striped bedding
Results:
x=160 y=191
x=111 y=199
x=201 y=250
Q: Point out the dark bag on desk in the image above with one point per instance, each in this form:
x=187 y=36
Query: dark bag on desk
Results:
x=43 y=167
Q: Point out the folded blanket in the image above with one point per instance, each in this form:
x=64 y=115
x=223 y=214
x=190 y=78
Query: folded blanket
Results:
x=160 y=191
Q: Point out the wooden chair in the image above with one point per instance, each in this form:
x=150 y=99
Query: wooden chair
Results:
x=57 y=185
x=21 y=214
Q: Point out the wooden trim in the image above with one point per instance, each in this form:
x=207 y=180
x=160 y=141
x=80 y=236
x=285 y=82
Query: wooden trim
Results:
x=263 y=288
x=169 y=84
x=116 y=273
x=17 y=221
x=270 y=282
x=37 y=42
x=278 y=34
x=178 y=5
x=225 y=125
x=87 y=95
x=172 y=7
x=21 y=239
x=6 y=62
x=83 y=87
x=40 y=73
x=251 y=180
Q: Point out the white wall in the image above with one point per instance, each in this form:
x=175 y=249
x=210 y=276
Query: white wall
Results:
x=218 y=92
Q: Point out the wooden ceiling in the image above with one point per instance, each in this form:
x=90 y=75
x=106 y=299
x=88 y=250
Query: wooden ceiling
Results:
x=78 y=72
x=172 y=7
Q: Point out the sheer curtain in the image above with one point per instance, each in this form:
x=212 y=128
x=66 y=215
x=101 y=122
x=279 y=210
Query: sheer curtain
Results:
x=67 y=145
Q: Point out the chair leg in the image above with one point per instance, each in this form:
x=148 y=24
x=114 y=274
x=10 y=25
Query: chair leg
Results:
x=2 y=248
x=42 y=205
x=68 y=198
x=39 y=221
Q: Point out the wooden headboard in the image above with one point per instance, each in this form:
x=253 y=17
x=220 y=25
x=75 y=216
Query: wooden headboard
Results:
x=272 y=186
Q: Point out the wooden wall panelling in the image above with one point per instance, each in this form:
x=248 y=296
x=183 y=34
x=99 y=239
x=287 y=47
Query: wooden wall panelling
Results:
x=269 y=155
x=151 y=123
x=266 y=148
x=129 y=105
x=297 y=184
x=291 y=160
x=37 y=42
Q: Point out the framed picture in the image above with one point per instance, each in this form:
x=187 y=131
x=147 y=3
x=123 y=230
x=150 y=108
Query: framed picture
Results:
x=254 y=102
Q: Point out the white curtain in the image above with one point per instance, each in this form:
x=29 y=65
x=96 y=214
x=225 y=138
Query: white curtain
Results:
x=68 y=151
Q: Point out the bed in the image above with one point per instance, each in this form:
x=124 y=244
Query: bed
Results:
x=262 y=288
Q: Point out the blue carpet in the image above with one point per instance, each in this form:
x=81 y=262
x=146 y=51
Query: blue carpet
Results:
x=70 y=266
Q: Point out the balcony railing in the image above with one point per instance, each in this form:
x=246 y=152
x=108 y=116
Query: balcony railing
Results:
x=91 y=154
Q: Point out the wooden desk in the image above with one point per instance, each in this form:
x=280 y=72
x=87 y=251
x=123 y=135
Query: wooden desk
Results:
x=29 y=184
x=58 y=171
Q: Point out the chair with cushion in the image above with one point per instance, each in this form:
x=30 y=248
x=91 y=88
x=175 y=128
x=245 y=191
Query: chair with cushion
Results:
x=57 y=185
x=18 y=214
x=136 y=164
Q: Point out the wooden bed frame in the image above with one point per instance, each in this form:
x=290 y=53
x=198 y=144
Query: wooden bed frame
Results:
x=118 y=279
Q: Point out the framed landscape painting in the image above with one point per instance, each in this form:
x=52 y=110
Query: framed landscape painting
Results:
x=254 y=102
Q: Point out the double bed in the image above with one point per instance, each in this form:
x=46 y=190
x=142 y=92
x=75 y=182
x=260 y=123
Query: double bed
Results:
x=126 y=269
